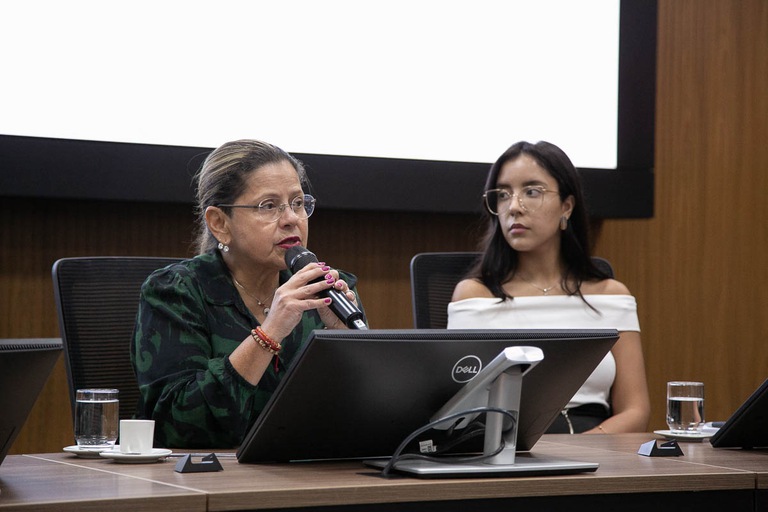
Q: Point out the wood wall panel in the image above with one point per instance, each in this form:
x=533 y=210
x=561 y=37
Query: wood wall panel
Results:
x=36 y=233
x=697 y=268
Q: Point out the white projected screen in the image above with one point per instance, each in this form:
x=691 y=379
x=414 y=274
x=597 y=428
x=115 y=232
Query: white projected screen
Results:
x=443 y=80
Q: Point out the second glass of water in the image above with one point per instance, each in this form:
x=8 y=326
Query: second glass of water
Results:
x=685 y=406
x=96 y=417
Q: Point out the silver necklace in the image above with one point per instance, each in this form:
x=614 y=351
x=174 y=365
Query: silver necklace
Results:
x=261 y=304
x=545 y=291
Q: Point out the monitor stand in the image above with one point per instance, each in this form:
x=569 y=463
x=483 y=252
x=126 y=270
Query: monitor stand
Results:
x=504 y=392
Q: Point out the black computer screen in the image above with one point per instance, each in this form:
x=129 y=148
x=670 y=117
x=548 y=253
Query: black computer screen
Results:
x=748 y=426
x=25 y=365
x=358 y=394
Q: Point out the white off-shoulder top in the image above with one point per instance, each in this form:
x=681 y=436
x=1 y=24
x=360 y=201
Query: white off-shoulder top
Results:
x=555 y=312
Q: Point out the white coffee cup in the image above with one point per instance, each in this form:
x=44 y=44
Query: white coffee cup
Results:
x=137 y=436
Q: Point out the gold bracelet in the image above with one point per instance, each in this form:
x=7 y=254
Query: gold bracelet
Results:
x=601 y=429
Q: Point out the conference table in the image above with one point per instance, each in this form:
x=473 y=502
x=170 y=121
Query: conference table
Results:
x=703 y=478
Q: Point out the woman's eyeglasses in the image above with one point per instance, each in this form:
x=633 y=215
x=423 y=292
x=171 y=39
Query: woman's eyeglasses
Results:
x=530 y=199
x=270 y=211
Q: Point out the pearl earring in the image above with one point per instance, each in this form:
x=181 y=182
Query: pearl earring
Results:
x=223 y=247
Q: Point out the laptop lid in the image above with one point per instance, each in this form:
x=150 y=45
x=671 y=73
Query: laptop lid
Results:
x=359 y=394
x=748 y=426
x=25 y=365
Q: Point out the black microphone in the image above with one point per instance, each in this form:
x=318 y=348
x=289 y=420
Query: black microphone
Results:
x=297 y=257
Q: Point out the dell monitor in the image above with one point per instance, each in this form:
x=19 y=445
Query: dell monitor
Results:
x=358 y=394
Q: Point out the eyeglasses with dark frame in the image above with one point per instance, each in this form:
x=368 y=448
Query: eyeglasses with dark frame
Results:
x=269 y=211
x=530 y=198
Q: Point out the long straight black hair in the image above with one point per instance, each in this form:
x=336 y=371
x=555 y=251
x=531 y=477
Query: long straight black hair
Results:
x=499 y=261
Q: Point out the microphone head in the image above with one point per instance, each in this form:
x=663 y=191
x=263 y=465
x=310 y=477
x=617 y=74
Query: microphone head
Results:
x=297 y=257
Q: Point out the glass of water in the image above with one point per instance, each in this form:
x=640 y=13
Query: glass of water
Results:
x=96 y=417
x=685 y=406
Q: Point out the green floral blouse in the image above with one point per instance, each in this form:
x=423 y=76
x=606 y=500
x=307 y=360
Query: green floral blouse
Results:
x=190 y=319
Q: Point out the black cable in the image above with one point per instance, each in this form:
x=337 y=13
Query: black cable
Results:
x=475 y=429
x=398 y=455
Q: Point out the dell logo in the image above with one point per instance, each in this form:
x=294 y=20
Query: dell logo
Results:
x=466 y=369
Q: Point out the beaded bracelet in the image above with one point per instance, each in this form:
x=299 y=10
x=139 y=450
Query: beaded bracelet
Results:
x=265 y=341
x=275 y=344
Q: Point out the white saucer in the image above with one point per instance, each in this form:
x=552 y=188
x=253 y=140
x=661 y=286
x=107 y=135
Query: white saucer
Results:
x=85 y=452
x=135 y=458
x=693 y=436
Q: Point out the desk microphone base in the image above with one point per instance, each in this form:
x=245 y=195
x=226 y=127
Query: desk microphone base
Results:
x=525 y=464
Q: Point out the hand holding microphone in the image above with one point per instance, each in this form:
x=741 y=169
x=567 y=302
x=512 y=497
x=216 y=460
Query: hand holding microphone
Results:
x=298 y=257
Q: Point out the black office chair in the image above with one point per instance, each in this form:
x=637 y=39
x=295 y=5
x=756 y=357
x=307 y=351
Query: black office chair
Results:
x=97 y=299
x=434 y=275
